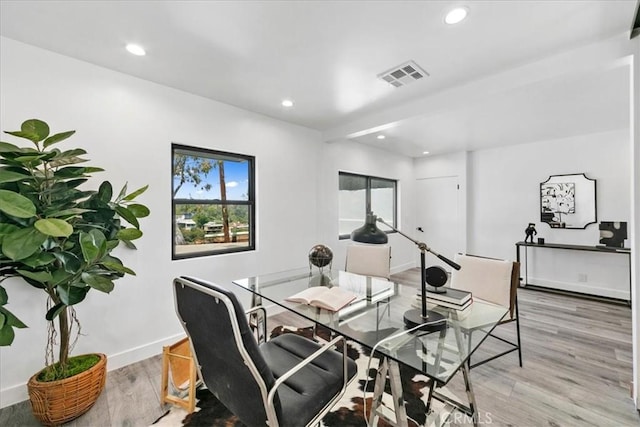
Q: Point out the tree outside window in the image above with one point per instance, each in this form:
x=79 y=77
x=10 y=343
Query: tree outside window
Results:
x=213 y=204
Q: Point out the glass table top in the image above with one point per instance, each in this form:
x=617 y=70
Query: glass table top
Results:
x=375 y=318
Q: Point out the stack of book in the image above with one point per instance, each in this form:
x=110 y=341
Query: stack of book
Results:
x=452 y=298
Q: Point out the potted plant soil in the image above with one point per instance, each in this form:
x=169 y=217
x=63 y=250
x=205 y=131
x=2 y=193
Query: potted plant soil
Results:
x=58 y=237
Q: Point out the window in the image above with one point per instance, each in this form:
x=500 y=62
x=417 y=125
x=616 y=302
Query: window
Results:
x=359 y=194
x=213 y=202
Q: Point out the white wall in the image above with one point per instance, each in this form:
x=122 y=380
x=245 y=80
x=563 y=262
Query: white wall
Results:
x=504 y=198
x=127 y=125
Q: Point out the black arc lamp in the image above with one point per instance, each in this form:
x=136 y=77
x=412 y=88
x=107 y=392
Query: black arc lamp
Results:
x=370 y=233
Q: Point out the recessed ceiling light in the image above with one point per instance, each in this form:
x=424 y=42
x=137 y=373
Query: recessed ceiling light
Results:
x=425 y=152
x=136 y=49
x=381 y=137
x=287 y=103
x=456 y=15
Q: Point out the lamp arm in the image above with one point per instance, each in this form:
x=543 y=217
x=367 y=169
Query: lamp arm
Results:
x=422 y=246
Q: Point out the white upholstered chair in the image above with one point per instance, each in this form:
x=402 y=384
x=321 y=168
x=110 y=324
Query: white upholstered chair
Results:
x=492 y=280
x=369 y=260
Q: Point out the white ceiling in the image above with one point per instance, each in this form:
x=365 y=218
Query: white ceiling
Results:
x=325 y=55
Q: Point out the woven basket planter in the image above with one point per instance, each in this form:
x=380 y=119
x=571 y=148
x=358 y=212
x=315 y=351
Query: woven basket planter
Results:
x=57 y=402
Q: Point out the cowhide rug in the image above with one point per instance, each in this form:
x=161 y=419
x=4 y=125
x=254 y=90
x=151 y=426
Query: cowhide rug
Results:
x=349 y=411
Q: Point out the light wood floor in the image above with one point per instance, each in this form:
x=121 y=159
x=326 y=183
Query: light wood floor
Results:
x=577 y=372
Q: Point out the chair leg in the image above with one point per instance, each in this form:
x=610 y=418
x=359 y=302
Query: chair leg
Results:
x=191 y=405
x=164 y=382
x=469 y=348
x=518 y=332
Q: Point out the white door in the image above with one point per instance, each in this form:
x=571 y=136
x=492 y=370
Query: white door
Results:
x=439 y=217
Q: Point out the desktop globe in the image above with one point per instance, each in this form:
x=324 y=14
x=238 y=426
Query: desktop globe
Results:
x=320 y=256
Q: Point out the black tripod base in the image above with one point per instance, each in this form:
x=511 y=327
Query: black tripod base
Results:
x=433 y=322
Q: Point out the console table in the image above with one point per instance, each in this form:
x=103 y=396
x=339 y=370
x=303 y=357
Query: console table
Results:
x=601 y=249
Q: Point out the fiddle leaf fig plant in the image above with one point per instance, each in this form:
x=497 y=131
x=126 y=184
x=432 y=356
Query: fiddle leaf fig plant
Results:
x=56 y=235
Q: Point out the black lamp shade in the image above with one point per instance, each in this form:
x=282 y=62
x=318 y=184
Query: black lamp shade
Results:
x=369 y=232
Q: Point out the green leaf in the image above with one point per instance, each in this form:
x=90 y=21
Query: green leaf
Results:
x=11 y=319
x=55 y=311
x=60 y=277
x=6 y=147
x=129 y=244
x=73 y=152
x=57 y=138
x=70 y=262
x=3 y=320
x=22 y=243
x=29 y=161
x=70 y=172
x=129 y=234
x=98 y=282
x=128 y=216
x=36 y=127
x=38 y=276
x=10 y=176
x=39 y=259
x=105 y=192
x=4 y=298
x=101 y=241
x=7 y=229
x=71 y=295
x=54 y=227
x=6 y=335
x=93 y=245
x=75 y=182
x=90 y=249
x=136 y=193
x=69 y=212
x=114 y=266
x=27 y=135
x=63 y=161
x=90 y=169
x=140 y=211
x=122 y=193
x=17 y=205
x=112 y=244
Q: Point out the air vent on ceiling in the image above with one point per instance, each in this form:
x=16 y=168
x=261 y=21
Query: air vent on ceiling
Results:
x=403 y=74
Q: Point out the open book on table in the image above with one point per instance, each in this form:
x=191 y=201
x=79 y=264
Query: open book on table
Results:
x=332 y=299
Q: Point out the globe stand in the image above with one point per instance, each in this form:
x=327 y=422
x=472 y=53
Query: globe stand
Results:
x=320 y=256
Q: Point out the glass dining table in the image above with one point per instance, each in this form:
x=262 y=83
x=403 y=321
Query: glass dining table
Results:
x=374 y=319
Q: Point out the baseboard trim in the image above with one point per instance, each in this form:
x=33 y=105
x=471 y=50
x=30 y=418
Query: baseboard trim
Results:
x=403 y=267
x=580 y=289
x=18 y=393
x=617 y=301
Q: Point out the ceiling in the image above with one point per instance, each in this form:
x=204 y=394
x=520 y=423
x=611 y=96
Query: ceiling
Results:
x=326 y=55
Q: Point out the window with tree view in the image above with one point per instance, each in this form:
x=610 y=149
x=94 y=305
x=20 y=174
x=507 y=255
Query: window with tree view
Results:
x=359 y=194
x=213 y=202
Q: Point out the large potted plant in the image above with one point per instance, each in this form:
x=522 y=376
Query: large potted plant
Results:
x=59 y=237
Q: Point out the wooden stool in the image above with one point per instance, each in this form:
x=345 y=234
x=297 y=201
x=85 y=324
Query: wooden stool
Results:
x=178 y=364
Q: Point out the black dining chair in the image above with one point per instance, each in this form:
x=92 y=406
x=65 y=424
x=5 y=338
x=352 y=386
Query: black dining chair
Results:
x=286 y=381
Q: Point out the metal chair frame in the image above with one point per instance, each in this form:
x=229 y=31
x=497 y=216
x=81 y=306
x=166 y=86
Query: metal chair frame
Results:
x=268 y=396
